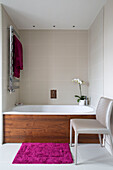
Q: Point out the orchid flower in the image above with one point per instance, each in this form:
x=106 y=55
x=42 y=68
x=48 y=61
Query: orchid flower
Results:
x=80 y=82
x=77 y=81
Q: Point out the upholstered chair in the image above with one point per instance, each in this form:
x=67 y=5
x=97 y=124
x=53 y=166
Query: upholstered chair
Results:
x=100 y=125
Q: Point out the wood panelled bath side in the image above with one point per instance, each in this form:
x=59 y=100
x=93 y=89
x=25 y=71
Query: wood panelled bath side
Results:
x=42 y=128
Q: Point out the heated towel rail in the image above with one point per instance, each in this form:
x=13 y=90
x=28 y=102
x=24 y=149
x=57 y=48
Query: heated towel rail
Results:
x=12 y=79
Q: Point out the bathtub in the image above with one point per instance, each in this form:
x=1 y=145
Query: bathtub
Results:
x=52 y=110
x=44 y=123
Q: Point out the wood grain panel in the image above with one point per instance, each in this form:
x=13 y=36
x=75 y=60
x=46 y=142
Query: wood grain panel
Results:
x=41 y=128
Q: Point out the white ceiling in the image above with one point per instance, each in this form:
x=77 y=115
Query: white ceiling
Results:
x=46 y=13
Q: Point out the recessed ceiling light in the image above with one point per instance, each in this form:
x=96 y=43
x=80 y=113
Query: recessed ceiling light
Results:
x=73 y=26
x=33 y=26
x=54 y=26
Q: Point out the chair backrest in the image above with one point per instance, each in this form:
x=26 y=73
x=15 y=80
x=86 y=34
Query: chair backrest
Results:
x=103 y=111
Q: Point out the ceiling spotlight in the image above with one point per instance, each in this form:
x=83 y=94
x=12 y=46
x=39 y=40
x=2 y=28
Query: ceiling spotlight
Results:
x=54 y=26
x=73 y=26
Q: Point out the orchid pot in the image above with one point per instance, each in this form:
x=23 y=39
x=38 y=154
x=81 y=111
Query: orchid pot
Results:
x=82 y=102
x=81 y=98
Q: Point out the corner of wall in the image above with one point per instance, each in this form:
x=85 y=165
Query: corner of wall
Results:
x=108 y=57
x=95 y=59
x=8 y=100
x=1 y=116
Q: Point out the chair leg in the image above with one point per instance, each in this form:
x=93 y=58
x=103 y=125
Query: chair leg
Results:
x=104 y=138
x=100 y=140
x=76 y=143
x=111 y=144
x=70 y=134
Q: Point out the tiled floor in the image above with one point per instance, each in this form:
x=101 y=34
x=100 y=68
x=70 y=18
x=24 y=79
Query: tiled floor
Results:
x=90 y=157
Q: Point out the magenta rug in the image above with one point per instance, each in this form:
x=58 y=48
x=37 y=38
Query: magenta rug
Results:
x=43 y=153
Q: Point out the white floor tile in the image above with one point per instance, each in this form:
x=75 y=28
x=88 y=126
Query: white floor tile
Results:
x=90 y=157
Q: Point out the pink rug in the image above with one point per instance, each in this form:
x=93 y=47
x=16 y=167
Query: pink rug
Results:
x=43 y=153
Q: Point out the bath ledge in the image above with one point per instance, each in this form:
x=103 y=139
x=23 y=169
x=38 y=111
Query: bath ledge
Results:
x=45 y=113
x=51 y=110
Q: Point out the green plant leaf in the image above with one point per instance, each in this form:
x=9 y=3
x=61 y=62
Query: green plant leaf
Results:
x=82 y=97
x=78 y=100
x=77 y=96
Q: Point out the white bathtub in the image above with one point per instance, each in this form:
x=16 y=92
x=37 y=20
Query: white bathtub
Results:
x=52 y=110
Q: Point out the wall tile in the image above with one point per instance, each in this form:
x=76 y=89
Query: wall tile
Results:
x=51 y=60
x=9 y=100
x=96 y=60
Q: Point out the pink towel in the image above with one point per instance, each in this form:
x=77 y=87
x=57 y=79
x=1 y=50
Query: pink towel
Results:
x=18 y=57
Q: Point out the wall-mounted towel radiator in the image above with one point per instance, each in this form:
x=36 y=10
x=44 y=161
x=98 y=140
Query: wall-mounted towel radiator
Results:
x=11 y=78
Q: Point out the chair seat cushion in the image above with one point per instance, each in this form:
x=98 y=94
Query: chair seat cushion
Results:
x=87 y=126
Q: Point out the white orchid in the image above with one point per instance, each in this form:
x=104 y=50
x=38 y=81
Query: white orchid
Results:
x=80 y=82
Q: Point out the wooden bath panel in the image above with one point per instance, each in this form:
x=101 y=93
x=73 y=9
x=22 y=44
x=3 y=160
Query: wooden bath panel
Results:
x=42 y=128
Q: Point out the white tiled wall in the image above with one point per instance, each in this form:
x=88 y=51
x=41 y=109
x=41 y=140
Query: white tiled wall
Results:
x=8 y=100
x=108 y=52
x=96 y=59
x=1 y=117
x=51 y=60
